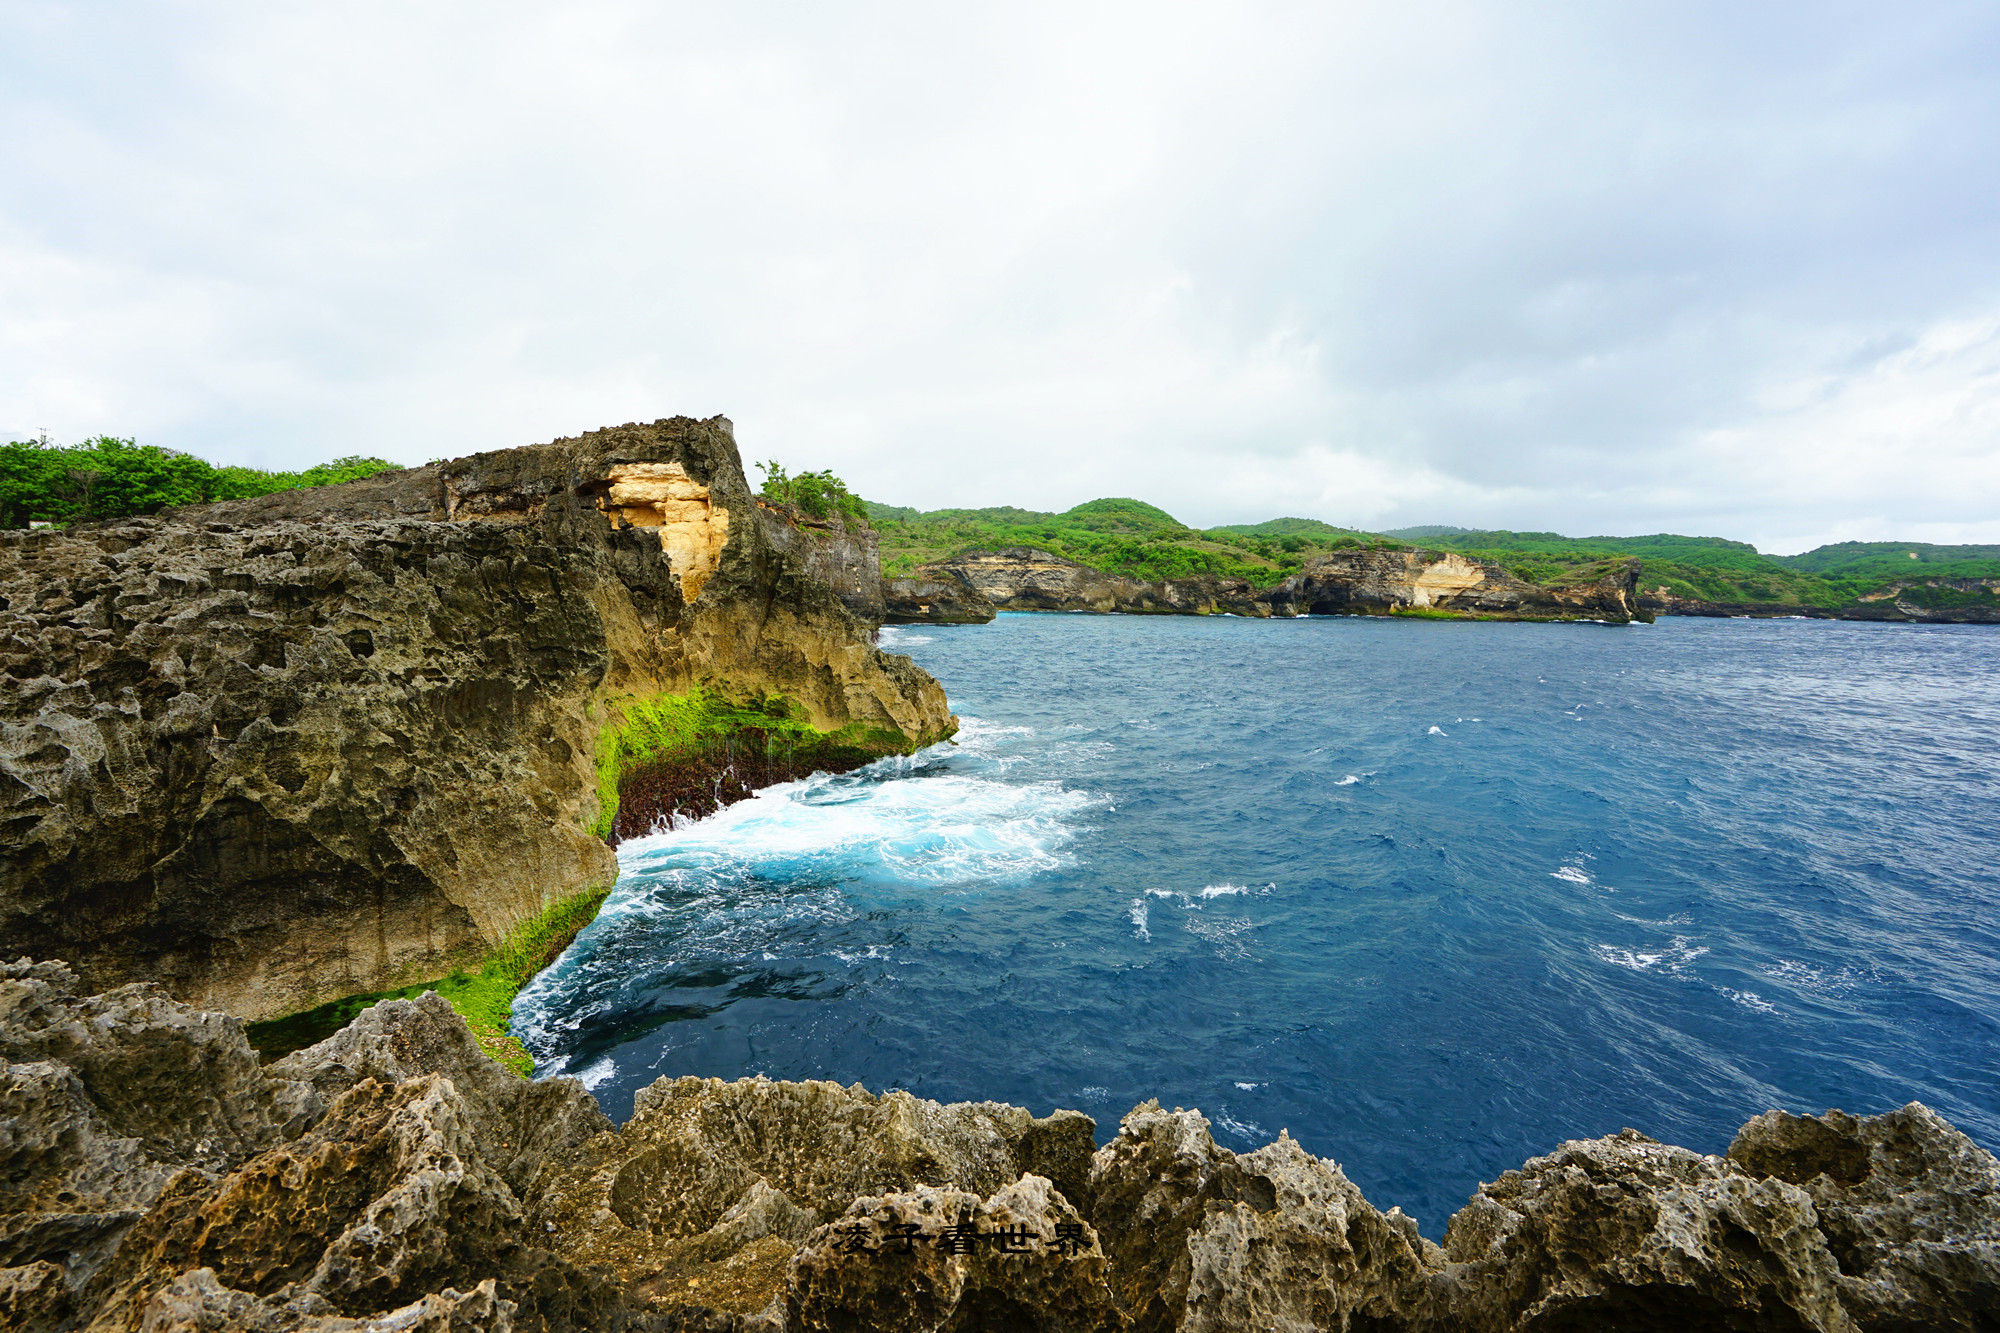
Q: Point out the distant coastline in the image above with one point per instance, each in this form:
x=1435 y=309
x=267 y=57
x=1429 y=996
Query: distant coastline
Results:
x=1125 y=555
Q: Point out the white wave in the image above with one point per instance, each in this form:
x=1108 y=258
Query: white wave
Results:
x=1348 y=781
x=1248 y=1129
x=1570 y=874
x=895 y=638
x=1138 y=915
x=1249 y=1087
x=1436 y=731
x=941 y=828
x=1750 y=1000
x=597 y=1075
x=1225 y=890
x=1221 y=933
x=1815 y=980
x=1678 y=955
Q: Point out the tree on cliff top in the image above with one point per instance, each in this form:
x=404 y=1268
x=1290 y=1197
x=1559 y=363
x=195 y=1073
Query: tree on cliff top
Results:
x=108 y=477
x=819 y=494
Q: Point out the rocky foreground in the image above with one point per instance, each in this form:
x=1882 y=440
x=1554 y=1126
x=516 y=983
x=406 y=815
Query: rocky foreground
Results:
x=154 y=1177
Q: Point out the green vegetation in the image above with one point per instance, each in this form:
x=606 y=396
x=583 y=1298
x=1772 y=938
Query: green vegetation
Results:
x=1710 y=569
x=107 y=477
x=1898 y=560
x=820 y=494
x=672 y=727
x=484 y=998
x=1119 y=536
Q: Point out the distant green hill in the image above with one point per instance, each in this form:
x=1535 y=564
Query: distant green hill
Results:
x=1891 y=560
x=1295 y=527
x=1428 y=532
x=1119 y=535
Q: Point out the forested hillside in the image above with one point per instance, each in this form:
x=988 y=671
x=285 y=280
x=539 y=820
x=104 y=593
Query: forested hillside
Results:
x=1119 y=536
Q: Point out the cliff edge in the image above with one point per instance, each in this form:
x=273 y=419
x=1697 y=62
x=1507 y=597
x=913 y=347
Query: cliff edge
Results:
x=276 y=751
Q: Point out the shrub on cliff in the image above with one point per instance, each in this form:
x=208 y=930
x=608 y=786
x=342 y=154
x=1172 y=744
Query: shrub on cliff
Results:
x=108 y=477
x=820 y=494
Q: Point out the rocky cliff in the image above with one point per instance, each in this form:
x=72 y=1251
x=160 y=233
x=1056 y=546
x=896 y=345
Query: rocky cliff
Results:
x=932 y=599
x=276 y=751
x=1377 y=582
x=153 y=1176
x=1370 y=581
x=1938 y=601
x=1021 y=578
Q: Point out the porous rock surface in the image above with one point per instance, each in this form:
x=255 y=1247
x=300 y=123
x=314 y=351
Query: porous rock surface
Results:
x=276 y=751
x=154 y=1177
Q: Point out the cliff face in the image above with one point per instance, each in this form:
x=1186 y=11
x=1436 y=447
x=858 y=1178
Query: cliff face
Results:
x=1919 y=601
x=1362 y=582
x=1021 y=578
x=156 y=1177
x=1375 y=582
x=846 y=558
x=942 y=600
x=277 y=751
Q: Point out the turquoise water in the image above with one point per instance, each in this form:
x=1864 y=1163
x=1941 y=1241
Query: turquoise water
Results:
x=1433 y=896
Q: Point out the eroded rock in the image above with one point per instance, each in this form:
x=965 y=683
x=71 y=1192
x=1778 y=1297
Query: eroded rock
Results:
x=1200 y=1238
x=701 y=1185
x=153 y=1177
x=1910 y=1209
x=928 y=1260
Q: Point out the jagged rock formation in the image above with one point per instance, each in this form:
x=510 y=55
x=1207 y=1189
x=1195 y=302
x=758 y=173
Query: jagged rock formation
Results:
x=277 y=751
x=927 y=600
x=1373 y=582
x=153 y=1177
x=1021 y=578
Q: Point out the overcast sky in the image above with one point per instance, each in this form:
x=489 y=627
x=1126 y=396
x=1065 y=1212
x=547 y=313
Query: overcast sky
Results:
x=1730 y=269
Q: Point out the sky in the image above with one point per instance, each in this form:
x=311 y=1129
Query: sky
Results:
x=1597 y=268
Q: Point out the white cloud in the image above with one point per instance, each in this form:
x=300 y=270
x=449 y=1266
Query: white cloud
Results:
x=1699 y=267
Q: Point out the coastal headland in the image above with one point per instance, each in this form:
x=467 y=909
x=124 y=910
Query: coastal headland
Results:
x=274 y=752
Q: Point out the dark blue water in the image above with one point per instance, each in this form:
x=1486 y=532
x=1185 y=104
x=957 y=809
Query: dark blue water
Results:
x=1433 y=896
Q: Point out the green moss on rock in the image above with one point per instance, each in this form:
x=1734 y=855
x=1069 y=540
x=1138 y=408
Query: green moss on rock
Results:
x=484 y=998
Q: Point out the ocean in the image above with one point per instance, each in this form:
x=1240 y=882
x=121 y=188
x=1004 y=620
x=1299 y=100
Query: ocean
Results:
x=1434 y=896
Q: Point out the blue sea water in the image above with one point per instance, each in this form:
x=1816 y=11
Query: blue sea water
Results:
x=1434 y=896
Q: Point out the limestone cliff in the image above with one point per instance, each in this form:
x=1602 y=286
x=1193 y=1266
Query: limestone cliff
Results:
x=1933 y=601
x=1371 y=581
x=275 y=751
x=154 y=1177
x=934 y=599
x=1021 y=578
x=1376 y=582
